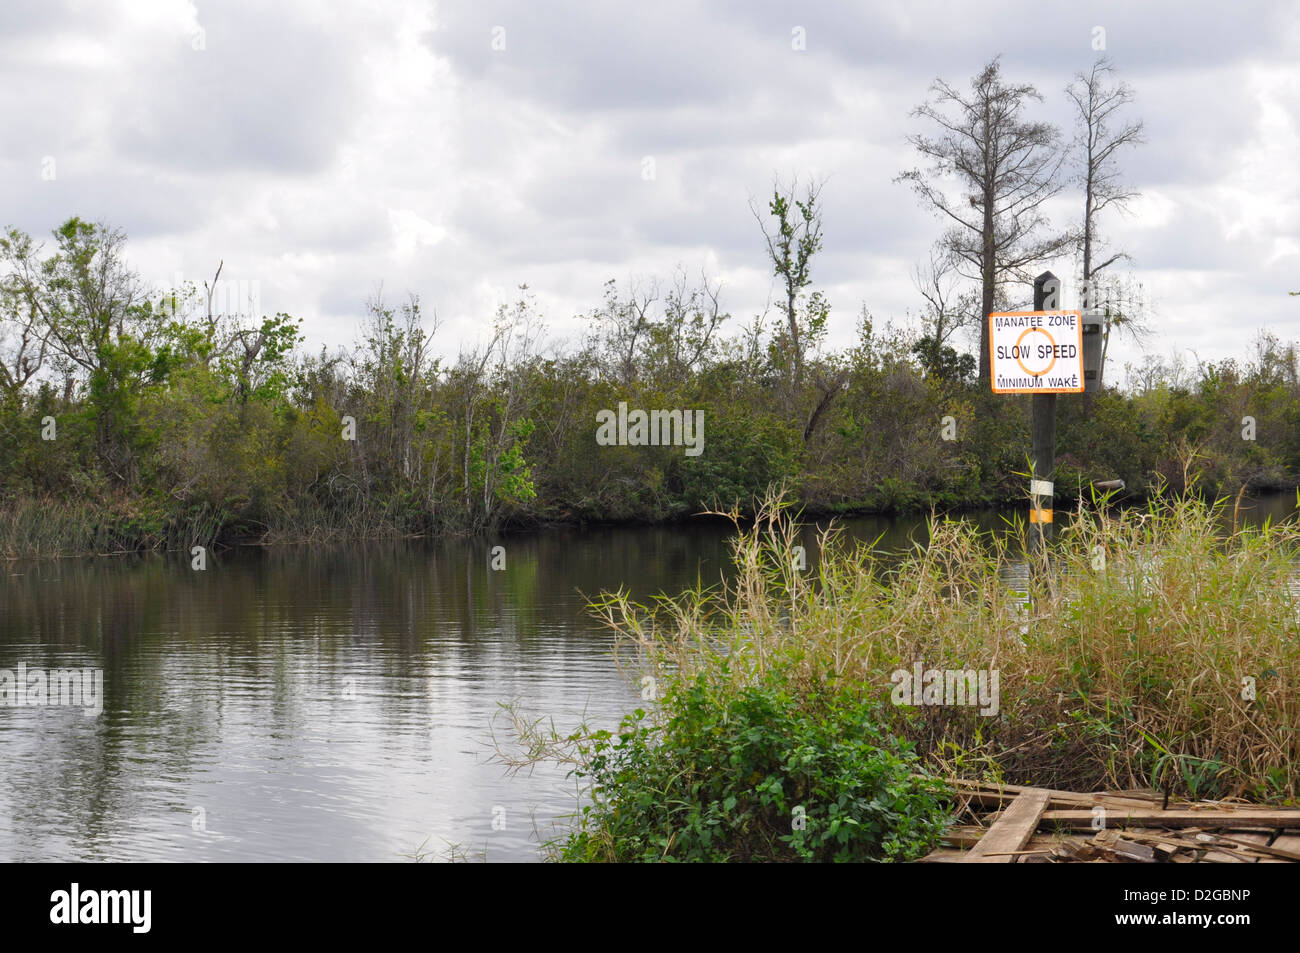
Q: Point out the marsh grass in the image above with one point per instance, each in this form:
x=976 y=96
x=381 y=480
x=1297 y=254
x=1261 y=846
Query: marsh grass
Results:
x=44 y=529
x=449 y=853
x=1125 y=669
x=32 y=528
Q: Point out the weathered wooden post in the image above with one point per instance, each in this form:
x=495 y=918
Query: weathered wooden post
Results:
x=1042 y=433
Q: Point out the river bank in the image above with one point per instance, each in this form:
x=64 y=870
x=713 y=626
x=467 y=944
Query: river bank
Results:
x=32 y=528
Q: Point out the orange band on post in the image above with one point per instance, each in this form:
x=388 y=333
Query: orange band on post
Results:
x=1040 y=516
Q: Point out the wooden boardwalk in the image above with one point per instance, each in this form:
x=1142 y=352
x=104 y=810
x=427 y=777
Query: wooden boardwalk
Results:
x=1012 y=824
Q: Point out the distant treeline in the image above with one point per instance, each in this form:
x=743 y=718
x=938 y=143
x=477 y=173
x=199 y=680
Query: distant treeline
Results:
x=131 y=421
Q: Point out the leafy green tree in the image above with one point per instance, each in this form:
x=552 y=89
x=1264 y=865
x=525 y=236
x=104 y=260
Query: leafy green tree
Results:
x=98 y=327
x=942 y=361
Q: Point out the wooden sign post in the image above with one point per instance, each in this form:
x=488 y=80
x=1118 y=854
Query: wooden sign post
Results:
x=1039 y=352
x=1042 y=432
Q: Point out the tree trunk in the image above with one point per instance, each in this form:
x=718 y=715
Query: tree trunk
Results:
x=988 y=276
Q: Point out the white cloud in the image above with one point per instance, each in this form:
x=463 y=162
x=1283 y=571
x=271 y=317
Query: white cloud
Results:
x=410 y=233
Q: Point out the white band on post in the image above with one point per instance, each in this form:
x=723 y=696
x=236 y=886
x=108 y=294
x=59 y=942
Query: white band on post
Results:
x=1040 y=487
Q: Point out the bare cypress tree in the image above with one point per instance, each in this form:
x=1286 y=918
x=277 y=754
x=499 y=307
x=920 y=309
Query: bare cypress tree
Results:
x=1101 y=134
x=1008 y=167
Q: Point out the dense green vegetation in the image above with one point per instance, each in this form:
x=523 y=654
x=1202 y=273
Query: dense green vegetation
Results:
x=763 y=774
x=129 y=422
x=756 y=778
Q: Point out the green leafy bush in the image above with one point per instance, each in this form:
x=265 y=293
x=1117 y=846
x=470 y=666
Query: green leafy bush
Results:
x=766 y=774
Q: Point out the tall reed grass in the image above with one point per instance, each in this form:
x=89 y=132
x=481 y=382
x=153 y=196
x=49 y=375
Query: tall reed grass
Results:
x=44 y=529
x=1156 y=648
x=32 y=528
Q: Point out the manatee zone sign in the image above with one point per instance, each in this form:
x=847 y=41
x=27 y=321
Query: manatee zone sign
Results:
x=1036 y=352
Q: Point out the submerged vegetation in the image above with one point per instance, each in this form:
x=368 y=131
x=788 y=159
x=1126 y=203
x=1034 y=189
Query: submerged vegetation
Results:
x=1157 y=649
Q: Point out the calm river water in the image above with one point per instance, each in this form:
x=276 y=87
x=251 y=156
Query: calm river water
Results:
x=333 y=705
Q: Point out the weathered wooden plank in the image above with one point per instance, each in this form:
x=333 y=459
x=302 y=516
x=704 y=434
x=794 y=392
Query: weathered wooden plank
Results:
x=984 y=792
x=988 y=792
x=1165 y=852
x=1253 y=845
x=1257 y=844
x=1044 y=841
x=1078 y=849
x=943 y=855
x=1287 y=842
x=1223 y=857
x=1116 y=846
x=1178 y=840
x=1039 y=849
x=965 y=835
x=1011 y=832
x=1130 y=849
x=1218 y=819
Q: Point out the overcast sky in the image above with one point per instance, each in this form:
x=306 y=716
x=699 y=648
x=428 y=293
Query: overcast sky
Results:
x=457 y=150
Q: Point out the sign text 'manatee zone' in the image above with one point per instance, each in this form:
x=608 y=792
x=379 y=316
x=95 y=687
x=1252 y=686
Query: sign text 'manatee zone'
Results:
x=1020 y=320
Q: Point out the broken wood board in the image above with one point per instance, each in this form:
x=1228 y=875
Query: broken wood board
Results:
x=1259 y=844
x=989 y=793
x=1011 y=831
x=943 y=855
x=1135 y=827
x=1216 y=818
x=964 y=835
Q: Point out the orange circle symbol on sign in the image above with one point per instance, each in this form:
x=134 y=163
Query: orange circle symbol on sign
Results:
x=1022 y=363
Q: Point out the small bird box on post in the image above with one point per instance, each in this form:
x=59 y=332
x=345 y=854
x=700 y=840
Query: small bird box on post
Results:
x=1093 y=320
